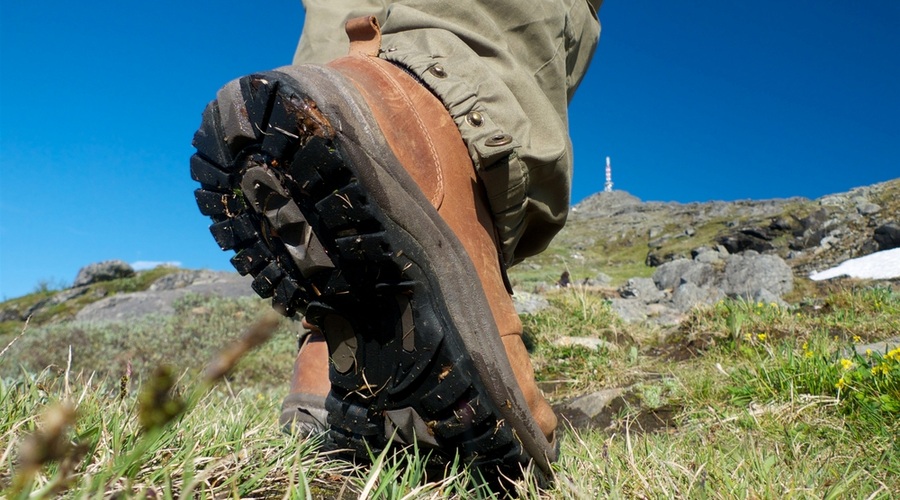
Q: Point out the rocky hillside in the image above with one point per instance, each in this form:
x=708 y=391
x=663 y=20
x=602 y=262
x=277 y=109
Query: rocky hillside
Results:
x=113 y=291
x=612 y=237
x=653 y=260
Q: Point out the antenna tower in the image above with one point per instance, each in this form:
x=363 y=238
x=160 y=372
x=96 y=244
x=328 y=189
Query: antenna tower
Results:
x=608 y=186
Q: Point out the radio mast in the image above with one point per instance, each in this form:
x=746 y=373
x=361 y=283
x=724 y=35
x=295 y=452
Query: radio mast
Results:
x=608 y=186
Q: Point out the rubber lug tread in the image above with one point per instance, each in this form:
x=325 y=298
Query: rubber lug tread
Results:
x=252 y=259
x=347 y=209
x=232 y=233
x=209 y=140
x=216 y=203
x=337 y=285
x=446 y=391
x=491 y=441
x=364 y=247
x=469 y=415
x=286 y=295
x=352 y=418
x=265 y=282
x=282 y=133
x=208 y=174
x=258 y=92
x=315 y=156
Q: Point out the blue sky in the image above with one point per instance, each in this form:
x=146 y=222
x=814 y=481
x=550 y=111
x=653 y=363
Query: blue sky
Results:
x=693 y=101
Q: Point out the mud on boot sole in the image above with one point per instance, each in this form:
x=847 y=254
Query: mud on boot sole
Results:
x=299 y=192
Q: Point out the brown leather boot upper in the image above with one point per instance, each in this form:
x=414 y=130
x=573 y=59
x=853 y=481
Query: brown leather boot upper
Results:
x=425 y=139
x=303 y=409
x=311 y=367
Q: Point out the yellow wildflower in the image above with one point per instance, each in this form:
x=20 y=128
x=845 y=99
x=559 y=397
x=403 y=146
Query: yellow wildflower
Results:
x=840 y=384
x=868 y=353
x=883 y=369
x=805 y=346
x=857 y=339
x=893 y=354
x=761 y=336
x=846 y=364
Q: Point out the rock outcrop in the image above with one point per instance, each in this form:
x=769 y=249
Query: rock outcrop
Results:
x=163 y=293
x=807 y=234
x=102 y=271
x=682 y=284
x=705 y=251
x=887 y=236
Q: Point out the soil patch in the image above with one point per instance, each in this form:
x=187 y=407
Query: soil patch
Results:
x=683 y=349
x=616 y=413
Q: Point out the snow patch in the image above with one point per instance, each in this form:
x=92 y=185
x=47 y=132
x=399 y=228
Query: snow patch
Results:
x=877 y=266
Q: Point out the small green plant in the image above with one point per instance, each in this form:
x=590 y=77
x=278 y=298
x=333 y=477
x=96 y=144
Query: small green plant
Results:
x=574 y=312
x=865 y=388
x=870 y=383
x=49 y=285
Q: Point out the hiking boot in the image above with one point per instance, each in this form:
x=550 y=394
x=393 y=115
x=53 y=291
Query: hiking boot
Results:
x=348 y=193
x=303 y=410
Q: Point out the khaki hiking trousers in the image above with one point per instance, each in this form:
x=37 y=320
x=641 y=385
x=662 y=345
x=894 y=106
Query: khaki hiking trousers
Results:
x=506 y=71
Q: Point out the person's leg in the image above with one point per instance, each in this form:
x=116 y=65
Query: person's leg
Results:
x=509 y=68
x=357 y=155
x=507 y=71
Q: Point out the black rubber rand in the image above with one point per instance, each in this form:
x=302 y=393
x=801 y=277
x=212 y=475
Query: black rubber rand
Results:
x=279 y=193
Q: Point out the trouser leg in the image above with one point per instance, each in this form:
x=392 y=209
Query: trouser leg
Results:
x=323 y=38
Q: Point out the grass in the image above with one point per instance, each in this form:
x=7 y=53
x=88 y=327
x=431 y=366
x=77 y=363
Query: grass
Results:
x=765 y=402
x=188 y=339
x=105 y=451
x=621 y=259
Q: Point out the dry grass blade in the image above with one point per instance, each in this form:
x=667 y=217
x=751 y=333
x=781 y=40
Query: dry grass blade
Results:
x=17 y=337
x=635 y=468
x=47 y=445
x=157 y=403
x=256 y=335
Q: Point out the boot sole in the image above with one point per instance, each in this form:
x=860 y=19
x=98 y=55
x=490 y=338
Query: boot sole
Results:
x=321 y=213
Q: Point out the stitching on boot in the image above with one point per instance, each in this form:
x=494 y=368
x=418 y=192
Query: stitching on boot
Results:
x=433 y=197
